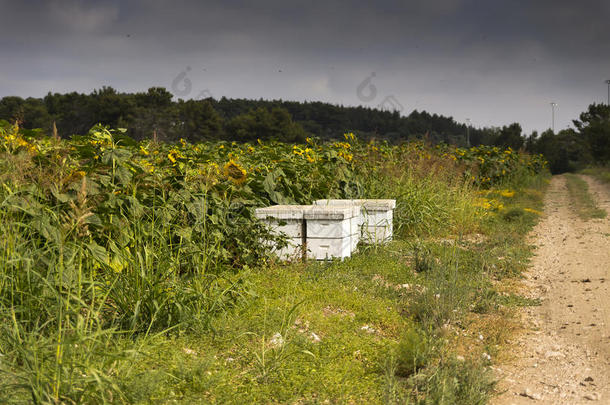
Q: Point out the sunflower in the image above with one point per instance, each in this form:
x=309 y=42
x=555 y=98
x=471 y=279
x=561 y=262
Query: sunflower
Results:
x=349 y=136
x=174 y=155
x=235 y=172
x=310 y=155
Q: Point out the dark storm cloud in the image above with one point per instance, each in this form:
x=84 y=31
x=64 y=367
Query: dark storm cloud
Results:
x=493 y=61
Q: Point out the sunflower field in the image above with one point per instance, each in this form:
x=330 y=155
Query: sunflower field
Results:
x=204 y=194
x=492 y=166
x=103 y=234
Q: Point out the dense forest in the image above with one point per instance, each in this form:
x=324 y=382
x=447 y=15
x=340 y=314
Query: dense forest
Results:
x=154 y=114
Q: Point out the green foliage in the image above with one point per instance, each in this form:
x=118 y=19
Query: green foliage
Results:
x=154 y=115
x=413 y=352
x=491 y=166
x=601 y=173
x=198 y=121
x=581 y=198
x=275 y=125
x=455 y=382
x=565 y=151
x=112 y=244
x=571 y=150
x=594 y=126
x=510 y=137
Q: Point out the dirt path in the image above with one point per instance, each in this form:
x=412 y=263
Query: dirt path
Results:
x=563 y=357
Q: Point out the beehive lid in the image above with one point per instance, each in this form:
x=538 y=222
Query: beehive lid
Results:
x=368 y=204
x=378 y=205
x=281 y=211
x=334 y=212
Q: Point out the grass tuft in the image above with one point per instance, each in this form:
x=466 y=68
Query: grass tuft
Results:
x=582 y=200
x=601 y=173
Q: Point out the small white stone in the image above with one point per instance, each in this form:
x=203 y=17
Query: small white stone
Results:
x=277 y=340
x=550 y=354
x=532 y=395
x=315 y=337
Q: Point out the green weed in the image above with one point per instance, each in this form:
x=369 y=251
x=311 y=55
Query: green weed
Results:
x=600 y=173
x=582 y=199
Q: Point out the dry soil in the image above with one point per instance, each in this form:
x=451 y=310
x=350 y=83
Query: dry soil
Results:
x=563 y=355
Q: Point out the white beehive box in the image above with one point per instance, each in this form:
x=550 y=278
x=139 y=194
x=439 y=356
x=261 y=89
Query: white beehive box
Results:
x=376 y=217
x=286 y=219
x=332 y=231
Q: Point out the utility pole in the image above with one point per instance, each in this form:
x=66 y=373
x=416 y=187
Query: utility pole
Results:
x=468 y=132
x=608 y=83
x=553 y=105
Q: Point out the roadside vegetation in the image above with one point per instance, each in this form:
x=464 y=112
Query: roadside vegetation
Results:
x=601 y=173
x=132 y=272
x=581 y=198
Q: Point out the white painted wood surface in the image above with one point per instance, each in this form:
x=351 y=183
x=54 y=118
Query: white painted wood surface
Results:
x=329 y=228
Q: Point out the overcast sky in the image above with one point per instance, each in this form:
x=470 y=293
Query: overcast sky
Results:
x=495 y=62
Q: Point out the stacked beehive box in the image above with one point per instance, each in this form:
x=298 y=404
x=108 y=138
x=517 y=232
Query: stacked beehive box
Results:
x=288 y=220
x=377 y=218
x=332 y=231
x=329 y=228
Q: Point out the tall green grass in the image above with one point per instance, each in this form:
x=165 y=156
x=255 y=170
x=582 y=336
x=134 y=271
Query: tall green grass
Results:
x=600 y=173
x=432 y=196
x=582 y=200
x=65 y=301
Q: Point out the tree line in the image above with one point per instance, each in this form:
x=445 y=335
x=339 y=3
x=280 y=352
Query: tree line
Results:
x=155 y=114
x=588 y=143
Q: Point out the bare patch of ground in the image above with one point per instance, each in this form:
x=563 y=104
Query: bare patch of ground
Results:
x=563 y=355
